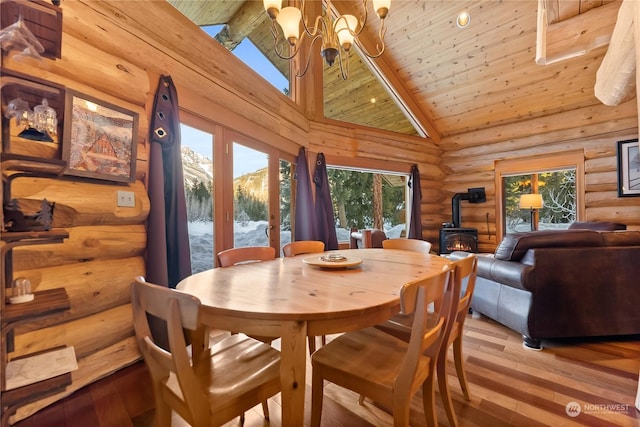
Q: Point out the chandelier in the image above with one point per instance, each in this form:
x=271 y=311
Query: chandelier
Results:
x=338 y=35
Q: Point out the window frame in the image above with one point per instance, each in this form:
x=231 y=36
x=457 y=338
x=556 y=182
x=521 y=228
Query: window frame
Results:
x=536 y=165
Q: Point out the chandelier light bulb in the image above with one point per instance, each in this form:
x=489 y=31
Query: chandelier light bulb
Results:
x=381 y=7
x=272 y=7
x=345 y=27
x=289 y=19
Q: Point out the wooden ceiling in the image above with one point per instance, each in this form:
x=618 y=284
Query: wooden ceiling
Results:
x=452 y=80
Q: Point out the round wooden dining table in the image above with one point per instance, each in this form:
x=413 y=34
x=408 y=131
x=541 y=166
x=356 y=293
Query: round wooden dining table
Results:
x=302 y=296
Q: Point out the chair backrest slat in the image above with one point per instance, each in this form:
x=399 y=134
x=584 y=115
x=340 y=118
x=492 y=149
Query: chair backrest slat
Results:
x=407 y=245
x=426 y=337
x=234 y=256
x=302 y=247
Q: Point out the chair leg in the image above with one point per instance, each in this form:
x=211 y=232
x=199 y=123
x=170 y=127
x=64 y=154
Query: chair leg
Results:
x=401 y=413
x=317 y=394
x=429 y=401
x=312 y=344
x=163 y=414
x=462 y=376
x=265 y=410
x=443 y=384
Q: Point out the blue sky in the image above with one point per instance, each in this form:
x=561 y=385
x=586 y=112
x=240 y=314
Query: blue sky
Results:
x=251 y=56
x=200 y=142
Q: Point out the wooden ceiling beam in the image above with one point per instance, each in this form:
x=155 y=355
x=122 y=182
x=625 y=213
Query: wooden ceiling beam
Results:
x=616 y=77
x=574 y=36
x=245 y=20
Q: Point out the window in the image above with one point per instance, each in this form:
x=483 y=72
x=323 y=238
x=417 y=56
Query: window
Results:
x=274 y=70
x=197 y=165
x=558 y=179
x=250 y=196
x=558 y=191
x=368 y=199
x=286 y=196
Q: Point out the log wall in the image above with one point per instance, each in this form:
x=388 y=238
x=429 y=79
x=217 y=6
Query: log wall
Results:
x=116 y=51
x=469 y=161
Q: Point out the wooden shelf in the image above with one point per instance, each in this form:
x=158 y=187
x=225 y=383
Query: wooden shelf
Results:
x=13 y=399
x=44 y=303
x=54 y=236
x=18 y=162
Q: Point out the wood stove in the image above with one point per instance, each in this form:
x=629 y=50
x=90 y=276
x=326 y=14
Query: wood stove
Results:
x=453 y=237
x=458 y=239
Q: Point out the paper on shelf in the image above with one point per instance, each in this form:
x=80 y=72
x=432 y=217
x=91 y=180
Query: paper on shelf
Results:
x=29 y=370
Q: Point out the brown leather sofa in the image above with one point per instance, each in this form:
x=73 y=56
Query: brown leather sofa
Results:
x=562 y=283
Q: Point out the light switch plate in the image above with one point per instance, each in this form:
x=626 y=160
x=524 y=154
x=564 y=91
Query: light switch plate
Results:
x=126 y=199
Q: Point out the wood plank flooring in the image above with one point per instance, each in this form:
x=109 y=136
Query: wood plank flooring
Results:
x=510 y=386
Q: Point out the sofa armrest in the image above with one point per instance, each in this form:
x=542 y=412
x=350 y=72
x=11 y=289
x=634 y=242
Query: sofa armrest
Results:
x=511 y=273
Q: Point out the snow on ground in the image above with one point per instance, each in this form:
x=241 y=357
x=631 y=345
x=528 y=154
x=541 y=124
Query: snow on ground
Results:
x=246 y=233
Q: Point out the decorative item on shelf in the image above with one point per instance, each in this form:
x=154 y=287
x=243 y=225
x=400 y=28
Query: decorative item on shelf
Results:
x=42 y=19
x=39 y=124
x=16 y=220
x=337 y=35
x=532 y=202
x=20 y=291
x=18 y=37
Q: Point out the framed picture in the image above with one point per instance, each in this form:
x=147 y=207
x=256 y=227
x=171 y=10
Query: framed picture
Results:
x=628 y=168
x=99 y=139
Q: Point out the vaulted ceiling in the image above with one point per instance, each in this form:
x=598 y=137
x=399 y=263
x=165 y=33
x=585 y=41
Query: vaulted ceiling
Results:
x=510 y=64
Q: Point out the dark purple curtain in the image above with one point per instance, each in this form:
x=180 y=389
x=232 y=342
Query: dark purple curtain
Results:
x=168 y=254
x=306 y=226
x=324 y=206
x=415 y=223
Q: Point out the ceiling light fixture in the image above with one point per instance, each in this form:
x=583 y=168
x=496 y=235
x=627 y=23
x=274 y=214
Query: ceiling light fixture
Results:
x=338 y=35
x=463 y=19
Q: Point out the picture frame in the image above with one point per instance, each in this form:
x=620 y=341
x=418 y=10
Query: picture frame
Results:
x=99 y=139
x=628 y=168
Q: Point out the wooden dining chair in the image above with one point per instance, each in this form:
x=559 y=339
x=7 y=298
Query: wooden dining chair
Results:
x=246 y=254
x=408 y=245
x=302 y=247
x=465 y=270
x=211 y=386
x=385 y=368
x=305 y=247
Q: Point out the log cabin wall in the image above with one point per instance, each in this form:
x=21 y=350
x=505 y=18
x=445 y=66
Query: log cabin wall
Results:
x=116 y=51
x=469 y=161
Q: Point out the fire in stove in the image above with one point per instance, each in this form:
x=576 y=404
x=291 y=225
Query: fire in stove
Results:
x=453 y=237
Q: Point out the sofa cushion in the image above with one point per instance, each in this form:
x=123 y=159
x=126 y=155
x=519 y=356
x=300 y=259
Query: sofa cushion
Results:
x=597 y=225
x=515 y=245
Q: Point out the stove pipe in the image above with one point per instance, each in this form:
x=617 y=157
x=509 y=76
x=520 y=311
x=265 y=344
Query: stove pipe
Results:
x=473 y=195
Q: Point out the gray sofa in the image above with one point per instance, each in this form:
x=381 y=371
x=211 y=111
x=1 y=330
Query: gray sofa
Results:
x=562 y=283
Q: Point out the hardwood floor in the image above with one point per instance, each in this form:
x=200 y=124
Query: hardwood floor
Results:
x=510 y=386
